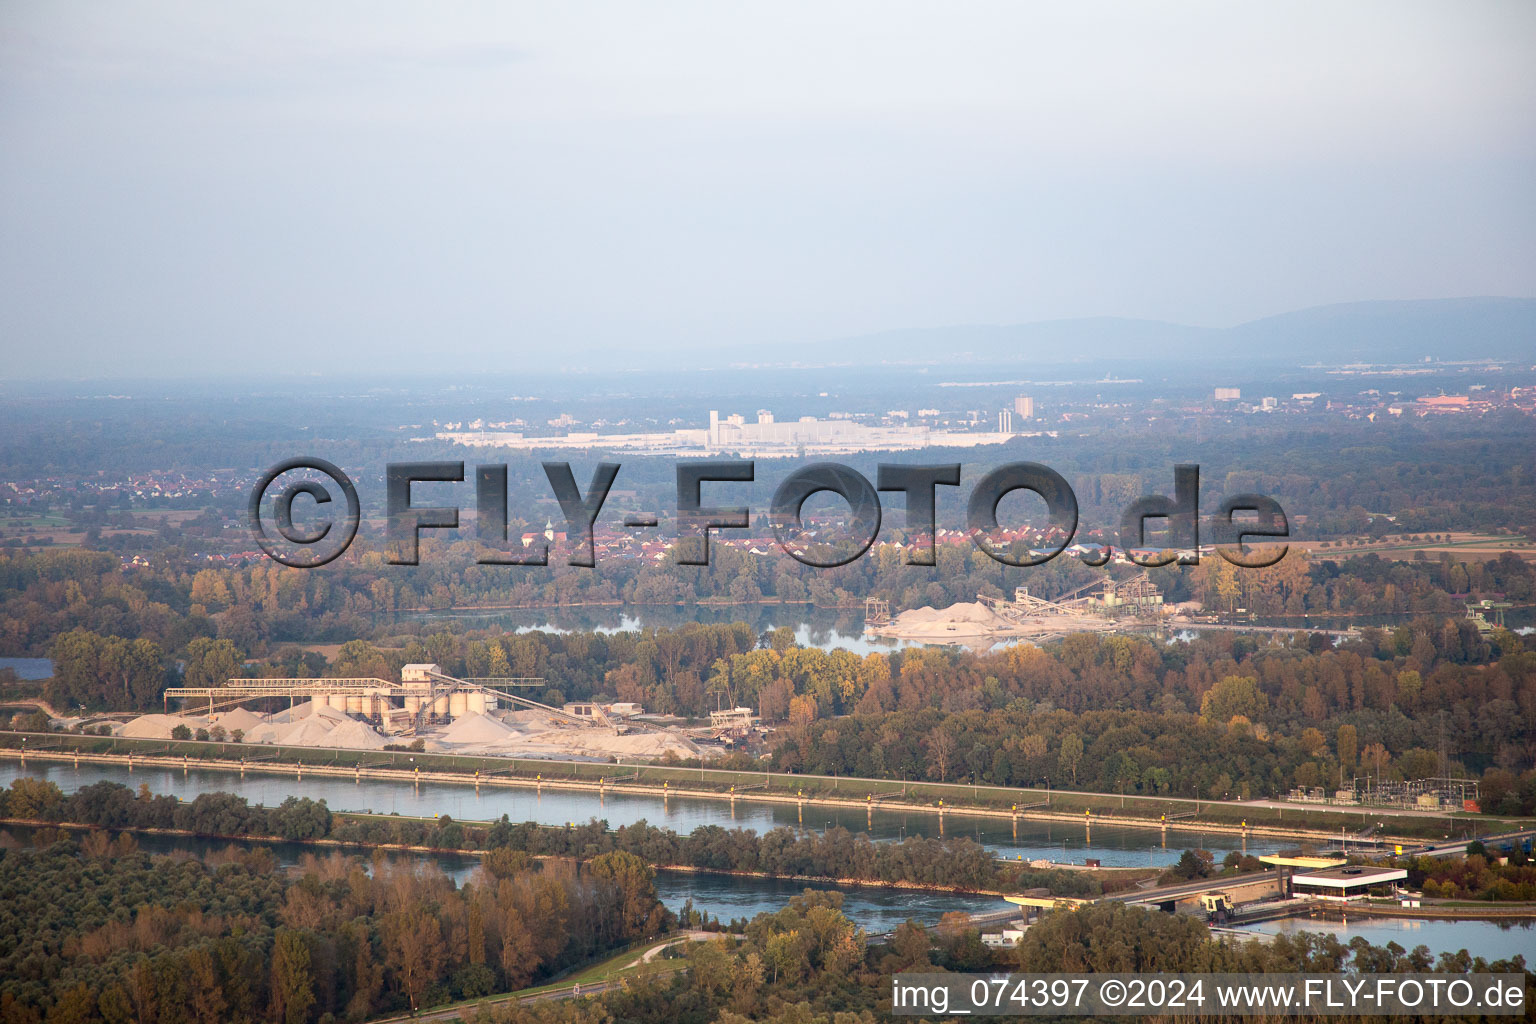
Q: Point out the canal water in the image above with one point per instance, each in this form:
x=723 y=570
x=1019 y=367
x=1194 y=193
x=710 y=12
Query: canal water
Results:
x=1112 y=846
x=874 y=909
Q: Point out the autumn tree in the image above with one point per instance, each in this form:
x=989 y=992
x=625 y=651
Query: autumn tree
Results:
x=1348 y=745
x=414 y=951
x=631 y=880
x=941 y=751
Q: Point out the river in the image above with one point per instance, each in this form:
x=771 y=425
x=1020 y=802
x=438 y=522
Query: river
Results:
x=874 y=909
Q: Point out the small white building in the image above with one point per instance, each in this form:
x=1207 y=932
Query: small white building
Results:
x=1008 y=938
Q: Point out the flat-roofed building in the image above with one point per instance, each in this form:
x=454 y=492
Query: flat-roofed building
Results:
x=1346 y=882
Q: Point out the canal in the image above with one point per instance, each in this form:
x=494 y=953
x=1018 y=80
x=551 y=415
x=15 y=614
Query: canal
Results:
x=1113 y=846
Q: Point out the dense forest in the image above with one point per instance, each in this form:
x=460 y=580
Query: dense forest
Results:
x=96 y=931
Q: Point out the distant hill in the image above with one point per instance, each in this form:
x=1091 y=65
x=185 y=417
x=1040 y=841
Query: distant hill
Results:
x=1406 y=331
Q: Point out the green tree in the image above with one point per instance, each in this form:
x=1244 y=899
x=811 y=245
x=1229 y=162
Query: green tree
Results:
x=32 y=798
x=634 y=887
x=1234 y=695
x=293 y=986
x=1071 y=754
x=785 y=954
x=210 y=662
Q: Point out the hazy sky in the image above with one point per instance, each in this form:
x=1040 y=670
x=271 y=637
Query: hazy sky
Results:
x=209 y=187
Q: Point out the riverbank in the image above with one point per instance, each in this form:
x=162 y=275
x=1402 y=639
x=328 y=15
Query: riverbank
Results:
x=306 y=761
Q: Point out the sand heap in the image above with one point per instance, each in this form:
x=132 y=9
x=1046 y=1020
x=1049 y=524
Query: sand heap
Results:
x=313 y=724
x=534 y=734
x=524 y=733
x=240 y=718
x=355 y=735
x=958 y=620
x=310 y=709
x=159 y=727
x=310 y=724
x=476 y=731
x=312 y=732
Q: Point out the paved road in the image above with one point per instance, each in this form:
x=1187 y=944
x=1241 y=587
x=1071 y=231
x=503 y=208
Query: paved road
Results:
x=1360 y=809
x=1164 y=893
x=1457 y=847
